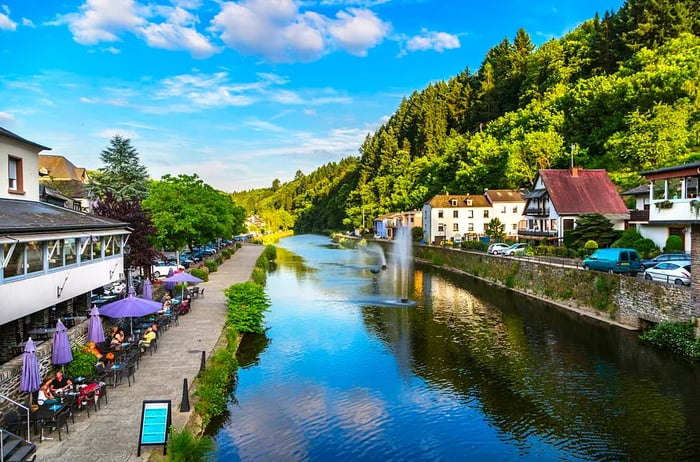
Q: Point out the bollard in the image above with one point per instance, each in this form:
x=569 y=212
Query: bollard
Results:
x=185 y=404
x=203 y=365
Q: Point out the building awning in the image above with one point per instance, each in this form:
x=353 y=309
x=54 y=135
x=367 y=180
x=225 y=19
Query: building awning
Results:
x=10 y=238
x=535 y=194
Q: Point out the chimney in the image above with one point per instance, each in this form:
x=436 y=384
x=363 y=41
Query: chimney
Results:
x=574 y=172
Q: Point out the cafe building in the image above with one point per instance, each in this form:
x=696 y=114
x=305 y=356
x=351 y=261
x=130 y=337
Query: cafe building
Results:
x=54 y=258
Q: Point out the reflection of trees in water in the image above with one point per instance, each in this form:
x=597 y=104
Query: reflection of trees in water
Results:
x=536 y=370
x=293 y=262
x=250 y=349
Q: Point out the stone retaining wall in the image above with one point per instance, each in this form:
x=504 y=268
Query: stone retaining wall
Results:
x=631 y=301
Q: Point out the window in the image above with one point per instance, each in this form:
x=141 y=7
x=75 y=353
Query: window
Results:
x=504 y=209
x=453 y=202
x=85 y=249
x=15 y=266
x=455 y=214
x=470 y=214
x=470 y=227
x=14 y=174
x=514 y=226
x=35 y=256
x=515 y=209
x=441 y=227
x=69 y=252
x=440 y=214
x=486 y=213
x=55 y=254
x=455 y=226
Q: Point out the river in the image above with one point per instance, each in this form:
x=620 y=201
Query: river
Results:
x=469 y=372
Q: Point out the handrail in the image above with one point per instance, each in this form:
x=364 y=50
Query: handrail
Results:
x=29 y=435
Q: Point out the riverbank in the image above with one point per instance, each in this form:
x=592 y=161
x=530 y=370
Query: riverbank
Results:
x=112 y=433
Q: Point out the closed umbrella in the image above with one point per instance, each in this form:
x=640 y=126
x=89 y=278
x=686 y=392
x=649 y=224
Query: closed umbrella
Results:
x=182 y=277
x=169 y=286
x=130 y=307
x=147 y=293
x=96 y=333
x=31 y=377
x=60 y=350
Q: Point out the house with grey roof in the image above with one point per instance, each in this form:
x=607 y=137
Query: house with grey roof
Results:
x=52 y=256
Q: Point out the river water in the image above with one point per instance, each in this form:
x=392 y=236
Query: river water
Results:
x=470 y=372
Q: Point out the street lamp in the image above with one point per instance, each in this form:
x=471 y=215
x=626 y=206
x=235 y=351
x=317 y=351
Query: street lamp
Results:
x=127 y=250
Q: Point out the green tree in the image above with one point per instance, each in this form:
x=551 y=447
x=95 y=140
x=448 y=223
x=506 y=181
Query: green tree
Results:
x=188 y=212
x=123 y=175
x=595 y=227
x=496 y=230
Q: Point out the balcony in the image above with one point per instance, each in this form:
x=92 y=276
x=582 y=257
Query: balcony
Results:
x=536 y=233
x=537 y=211
x=639 y=216
x=674 y=211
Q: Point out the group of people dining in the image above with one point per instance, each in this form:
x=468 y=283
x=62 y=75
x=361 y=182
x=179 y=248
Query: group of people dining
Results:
x=52 y=388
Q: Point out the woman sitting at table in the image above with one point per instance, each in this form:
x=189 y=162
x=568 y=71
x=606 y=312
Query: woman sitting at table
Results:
x=45 y=395
x=117 y=336
x=148 y=337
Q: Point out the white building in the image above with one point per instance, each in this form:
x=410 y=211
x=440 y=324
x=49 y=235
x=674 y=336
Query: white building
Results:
x=52 y=257
x=450 y=215
x=508 y=206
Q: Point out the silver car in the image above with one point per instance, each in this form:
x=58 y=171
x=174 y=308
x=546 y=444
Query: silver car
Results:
x=495 y=249
x=672 y=272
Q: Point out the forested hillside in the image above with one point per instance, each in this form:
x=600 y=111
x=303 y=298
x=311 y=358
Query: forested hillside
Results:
x=621 y=92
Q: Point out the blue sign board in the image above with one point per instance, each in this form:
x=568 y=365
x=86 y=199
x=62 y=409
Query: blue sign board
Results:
x=155 y=423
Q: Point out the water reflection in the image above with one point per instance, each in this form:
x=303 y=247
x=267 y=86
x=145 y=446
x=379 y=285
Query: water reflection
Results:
x=471 y=372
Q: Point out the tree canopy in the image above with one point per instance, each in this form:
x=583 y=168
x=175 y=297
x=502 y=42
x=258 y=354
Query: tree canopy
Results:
x=122 y=175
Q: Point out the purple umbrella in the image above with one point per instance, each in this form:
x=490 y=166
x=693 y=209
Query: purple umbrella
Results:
x=96 y=333
x=169 y=286
x=130 y=307
x=182 y=277
x=31 y=377
x=60 y=350
x=147 y=293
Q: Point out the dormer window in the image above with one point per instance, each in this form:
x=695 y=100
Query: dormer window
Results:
x=453 y=202
x=469 y=202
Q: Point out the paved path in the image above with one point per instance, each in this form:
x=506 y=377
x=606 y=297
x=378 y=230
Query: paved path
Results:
x=112 y=433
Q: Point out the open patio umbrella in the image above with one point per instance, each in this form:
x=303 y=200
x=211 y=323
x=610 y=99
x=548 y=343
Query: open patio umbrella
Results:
x=130 y=307
x=147 y=293
x=182 y=277
x=31 y=377
x=96 y=333
x=60 y=350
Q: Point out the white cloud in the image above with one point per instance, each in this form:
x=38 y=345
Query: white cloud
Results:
x=178 y=33
x=263 y=126
x=28 y=23
x=102 y=21
x=6 y=117
x=5 y=22
x=358 y=30
x=431 y=40
x=278 y=31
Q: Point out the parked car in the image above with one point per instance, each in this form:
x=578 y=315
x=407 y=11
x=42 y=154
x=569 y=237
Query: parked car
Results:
x=495 y=249
x=457 y=242
x=676 y=272
x=664 y=257
x=614 y=261
x=514 y=249
x=162 y=268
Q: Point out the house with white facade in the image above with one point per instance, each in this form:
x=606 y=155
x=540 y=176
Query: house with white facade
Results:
x=447 y=216
x=52 y=257
x=668 y=205
x=508 y=206
x=385 y=226
x=560 y=197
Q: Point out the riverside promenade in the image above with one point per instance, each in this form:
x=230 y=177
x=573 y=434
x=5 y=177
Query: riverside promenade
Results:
x=112 y=433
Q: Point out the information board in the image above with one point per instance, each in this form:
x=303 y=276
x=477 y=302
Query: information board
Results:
x=155 y=423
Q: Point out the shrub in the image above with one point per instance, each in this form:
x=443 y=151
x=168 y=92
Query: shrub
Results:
x=211 y=266
x=83 y=364
x=475 y=245
x=219 y=259
x=183 y=446
x=673 y=244
x=677 y=337
x=238 y=245
x=214 y=383
x=201 y=273
x=590 y=245
x=247 y=303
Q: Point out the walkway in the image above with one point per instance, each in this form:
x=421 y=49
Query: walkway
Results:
x=112 y=434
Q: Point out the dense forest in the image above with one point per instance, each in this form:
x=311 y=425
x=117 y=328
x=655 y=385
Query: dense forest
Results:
x=620 y=92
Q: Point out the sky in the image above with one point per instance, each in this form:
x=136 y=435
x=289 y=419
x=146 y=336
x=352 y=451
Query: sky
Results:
x=241 y=92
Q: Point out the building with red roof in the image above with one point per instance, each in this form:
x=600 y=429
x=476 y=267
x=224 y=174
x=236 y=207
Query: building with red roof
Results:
x=560 y=197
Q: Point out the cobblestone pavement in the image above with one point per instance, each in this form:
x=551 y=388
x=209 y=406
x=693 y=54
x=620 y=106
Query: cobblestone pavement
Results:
x=112 y=433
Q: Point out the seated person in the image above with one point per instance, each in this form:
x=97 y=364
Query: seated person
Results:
x=117 y=336
x=45 y=395
x=60 y=383
x=148 y=337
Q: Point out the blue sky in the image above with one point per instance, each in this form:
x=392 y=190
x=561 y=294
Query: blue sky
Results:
x=241 y=92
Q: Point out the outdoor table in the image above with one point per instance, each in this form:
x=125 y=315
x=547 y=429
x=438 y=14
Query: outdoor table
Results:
x=48 y=411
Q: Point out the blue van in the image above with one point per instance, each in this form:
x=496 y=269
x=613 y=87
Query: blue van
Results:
x=620 y=261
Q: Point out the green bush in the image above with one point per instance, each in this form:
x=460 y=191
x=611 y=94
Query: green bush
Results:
x=219 y=259
x=214 y=385
x=201 y=273
x=211 y=266
x=678 y=337
x=83 y=364
x=247 y=303
x=590 y=245
x=475 y=245
x=673 y=244
x=183 y=446
x=238 y=245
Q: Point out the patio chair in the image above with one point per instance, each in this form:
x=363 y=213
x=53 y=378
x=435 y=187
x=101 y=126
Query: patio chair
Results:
x=59 y=420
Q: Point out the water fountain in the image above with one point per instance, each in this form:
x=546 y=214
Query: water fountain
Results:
x=403 y=256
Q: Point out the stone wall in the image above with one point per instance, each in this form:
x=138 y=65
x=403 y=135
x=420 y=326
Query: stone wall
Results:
x=631 y=301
